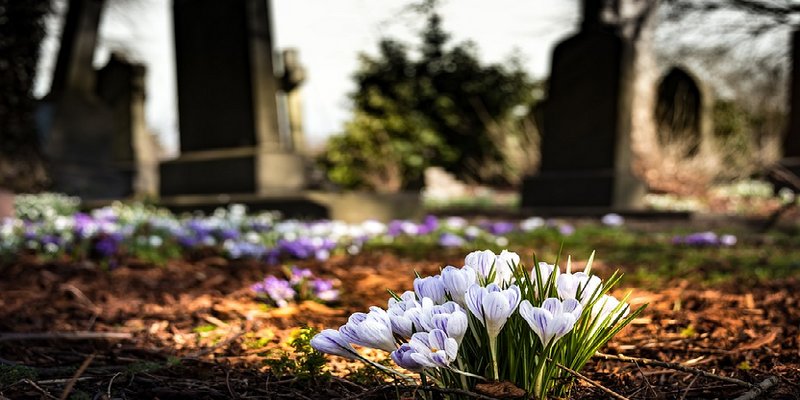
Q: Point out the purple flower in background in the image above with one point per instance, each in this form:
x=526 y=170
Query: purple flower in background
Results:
x=501 y=228
x=297 y=275
x=229 y=234
x=707 y=238
x=107 y=245
x=566 y=229
x=727 y=240
x=278 y=290
x=429 y=224
x=448 y=239
x=323 y=289
x=612 y=220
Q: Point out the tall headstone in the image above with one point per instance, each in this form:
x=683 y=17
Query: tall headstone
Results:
x=791 y=142
x=293 y=76
x=227 y=110
x=585 y=148
x=79 y=132
x=683 y=111
x=121 y=86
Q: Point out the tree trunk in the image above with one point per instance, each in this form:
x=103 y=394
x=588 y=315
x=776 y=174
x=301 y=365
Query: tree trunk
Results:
x=22 y=30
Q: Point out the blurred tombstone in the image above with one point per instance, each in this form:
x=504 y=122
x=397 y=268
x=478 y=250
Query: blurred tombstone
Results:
x=87 y=124
x=683 y=111
x=791 y=142
x=585 y=147
x=121 y=85
x=227 y=108
x=293 y=76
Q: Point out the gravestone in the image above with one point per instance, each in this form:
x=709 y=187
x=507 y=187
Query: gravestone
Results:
x=84 y=120
x=227 y=107
x=683 y=111
x=791 y=142
x=292 y=77
x=121 y=85
x=585 y=146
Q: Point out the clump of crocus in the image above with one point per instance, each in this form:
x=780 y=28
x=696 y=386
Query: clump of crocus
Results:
x=491 y=319
x=301 y=284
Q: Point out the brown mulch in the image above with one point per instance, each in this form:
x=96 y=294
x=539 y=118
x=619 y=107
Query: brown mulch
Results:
x=194 y=326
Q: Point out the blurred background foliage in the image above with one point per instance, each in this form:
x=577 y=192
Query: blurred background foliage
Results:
x=436 y=105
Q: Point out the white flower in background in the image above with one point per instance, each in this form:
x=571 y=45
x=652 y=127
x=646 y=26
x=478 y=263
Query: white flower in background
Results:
x=578 y=286
x=492 y=306
x=553 y=319
x=433 y=349
x=332 y=342
x=481 y=261
x=456 y=282
x=431 y=287
x=531 y=224
x=612 y=220
x=370 y=330
x=727 y=240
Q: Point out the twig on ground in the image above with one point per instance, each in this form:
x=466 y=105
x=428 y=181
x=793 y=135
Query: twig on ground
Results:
x=593 y=383
x=432 y=389
x=228 y=384
x=688 y=388
x=222 y=344
x=78 y=373
x=759 y=389
x=39 y=389
x=13 y=336
x=111 y=382
x=675 y=366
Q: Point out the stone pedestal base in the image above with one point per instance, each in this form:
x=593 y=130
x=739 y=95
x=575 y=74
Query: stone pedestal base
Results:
x=582 y=190
x=232 y=171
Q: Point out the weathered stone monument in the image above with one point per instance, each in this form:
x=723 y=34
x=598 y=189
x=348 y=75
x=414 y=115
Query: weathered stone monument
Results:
x=683 y=111
x=228 y=117
x=292 y=77
x=91 y=119
x=791 y=142
x=585 y=147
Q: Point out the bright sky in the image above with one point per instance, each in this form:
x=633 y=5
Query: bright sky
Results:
x=329 y=35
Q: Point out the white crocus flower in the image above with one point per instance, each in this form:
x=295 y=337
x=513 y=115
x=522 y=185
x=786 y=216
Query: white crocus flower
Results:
x=433 y=349
x=553 y=319
x=399 y=314
x=456 y=282
x=481 y=261
x=506 y=262
x=370 y=330
x=431 y=287
x=578 y=286
x=332 y=342
x=605 y=306
x=492 y=307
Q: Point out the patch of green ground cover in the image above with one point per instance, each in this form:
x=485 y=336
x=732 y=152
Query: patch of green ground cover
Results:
x=649 y=259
